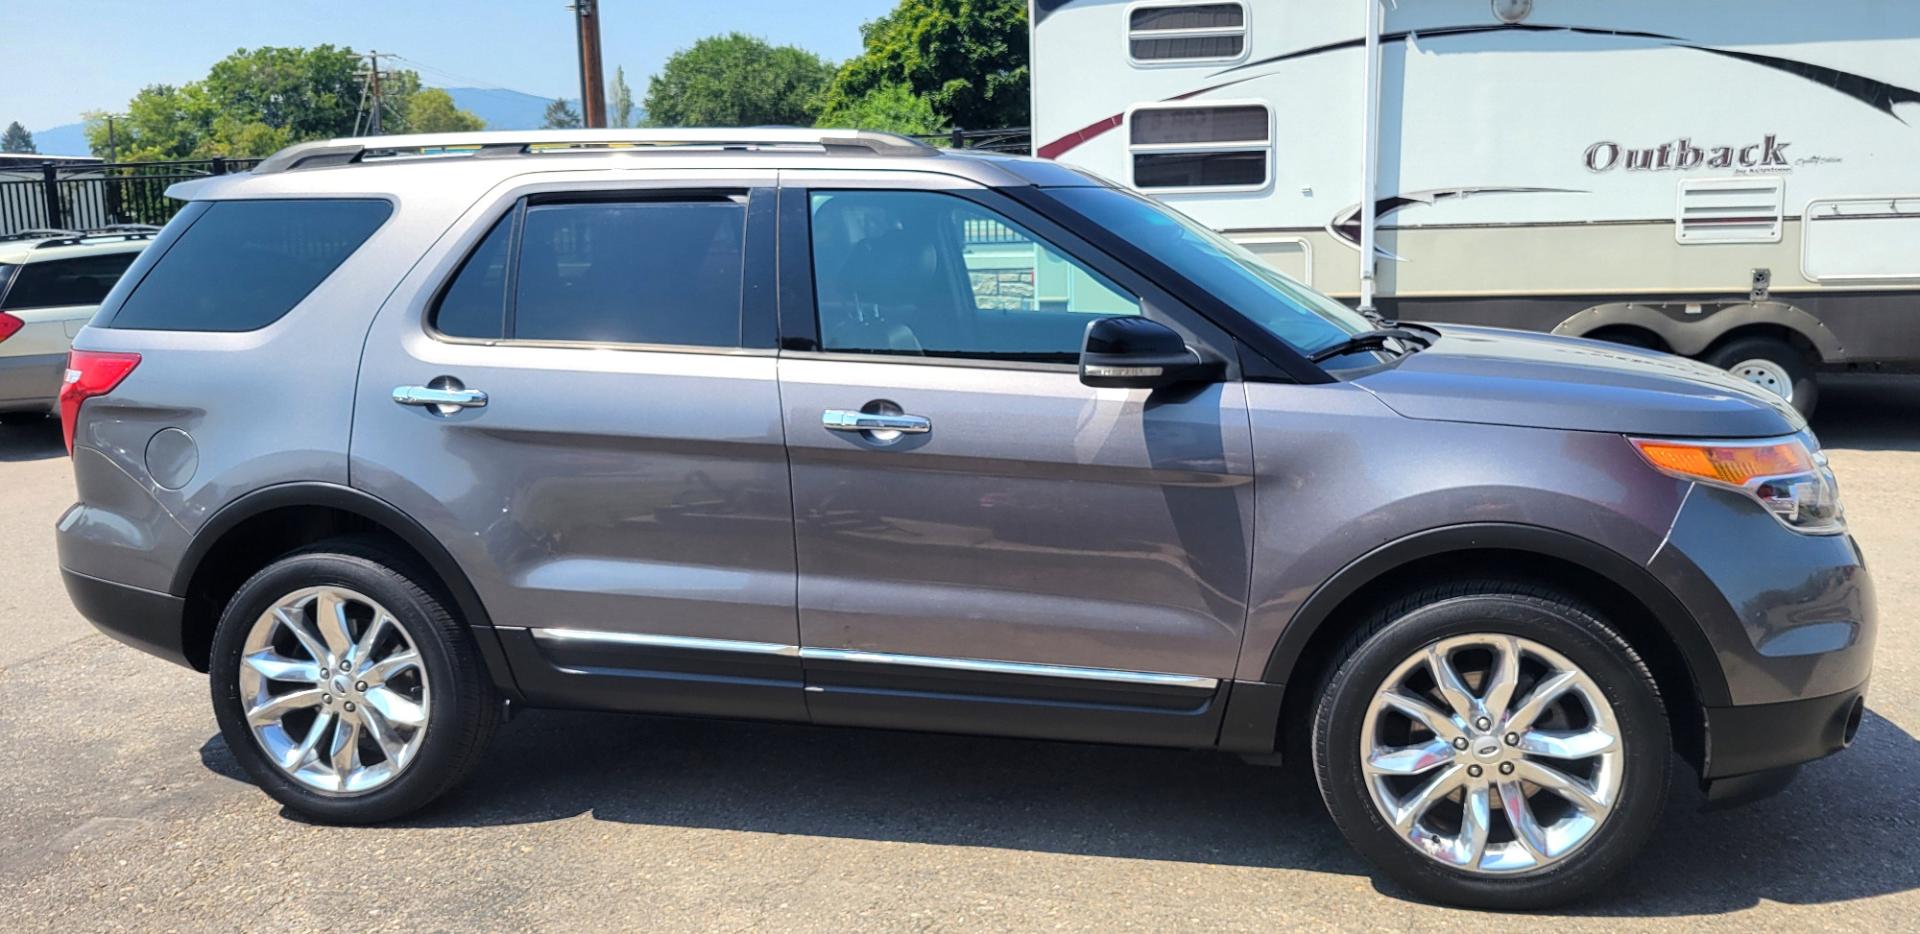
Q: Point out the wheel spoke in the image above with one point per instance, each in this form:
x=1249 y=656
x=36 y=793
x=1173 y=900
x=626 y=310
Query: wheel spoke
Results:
x=363 y=649
x=1567 y=745
x=1579 y=793
x=271 y=709
x=344 y=754
x=1414 y=805
x=289 y=621
x=1546 y=692
x=330 y=616
x=382 y=671
x=1419 y=711
x=1526 y=830
x=1475 y=817
x=1410 y=760
x=298 y=755
x=1451 y=686
x=396 y=709
x=276 y=667
x=383 y=734
x=1503 y=679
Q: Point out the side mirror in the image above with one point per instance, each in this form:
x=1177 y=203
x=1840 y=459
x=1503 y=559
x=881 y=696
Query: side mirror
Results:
x=1133 y=352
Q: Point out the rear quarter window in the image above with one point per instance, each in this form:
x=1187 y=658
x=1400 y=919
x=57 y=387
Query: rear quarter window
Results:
x=60 y=283
x=242 y=265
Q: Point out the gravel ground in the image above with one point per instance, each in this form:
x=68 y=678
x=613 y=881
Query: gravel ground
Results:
x=123 y=810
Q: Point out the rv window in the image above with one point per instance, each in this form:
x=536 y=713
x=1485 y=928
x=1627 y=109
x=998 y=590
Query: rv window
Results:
x=1224 y=146
x=1207 y=32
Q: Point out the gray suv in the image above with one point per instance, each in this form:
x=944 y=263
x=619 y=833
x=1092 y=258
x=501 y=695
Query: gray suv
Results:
x=392 y=436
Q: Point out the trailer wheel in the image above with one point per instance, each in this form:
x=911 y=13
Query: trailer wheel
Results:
x=1773 y=365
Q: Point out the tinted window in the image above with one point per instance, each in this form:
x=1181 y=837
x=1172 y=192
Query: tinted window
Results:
x=244 y=264
x=1188 y=31
x=920 y=273
x=475 y=303
x=57 y=283
x=1199 y=169
x=641 y=272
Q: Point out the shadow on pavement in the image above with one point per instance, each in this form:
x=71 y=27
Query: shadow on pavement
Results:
x=31 y=441
x=1845 y=830
x=1869 y=412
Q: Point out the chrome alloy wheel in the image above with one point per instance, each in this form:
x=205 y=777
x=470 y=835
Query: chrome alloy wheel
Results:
x=333 y=689
x=1492 y=754
x=1765 y=374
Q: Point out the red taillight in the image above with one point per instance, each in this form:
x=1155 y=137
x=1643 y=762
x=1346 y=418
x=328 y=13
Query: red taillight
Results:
x=90 y=373
x=9 y=324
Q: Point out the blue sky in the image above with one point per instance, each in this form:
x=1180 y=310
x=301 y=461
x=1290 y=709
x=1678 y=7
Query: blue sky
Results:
x=59 y=59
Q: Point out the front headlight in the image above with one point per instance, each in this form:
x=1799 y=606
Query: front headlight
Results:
x=1784 y=475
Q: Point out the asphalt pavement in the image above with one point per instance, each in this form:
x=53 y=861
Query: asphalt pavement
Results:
x=122 y=808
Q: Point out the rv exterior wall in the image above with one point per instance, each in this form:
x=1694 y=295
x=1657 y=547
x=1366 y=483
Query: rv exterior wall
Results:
x=1549 y=162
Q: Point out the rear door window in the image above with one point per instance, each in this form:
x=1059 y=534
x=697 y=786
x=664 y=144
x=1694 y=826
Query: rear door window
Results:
x=655 y=271
x=242 y=265
x=60 y=283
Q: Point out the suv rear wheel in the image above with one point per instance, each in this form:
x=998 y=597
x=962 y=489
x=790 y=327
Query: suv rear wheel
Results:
x=1492 y=745
x=344 y=686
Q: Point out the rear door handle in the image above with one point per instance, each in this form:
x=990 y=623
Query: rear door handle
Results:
x=444 y=400
x=843 y=420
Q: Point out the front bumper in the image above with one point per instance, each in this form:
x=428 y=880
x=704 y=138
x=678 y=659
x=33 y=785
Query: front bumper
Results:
x=144 y=619
x=1755 y=751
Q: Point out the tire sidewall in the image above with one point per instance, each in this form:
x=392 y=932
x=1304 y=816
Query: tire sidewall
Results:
x=419 y=613
x=1806 y=390
x=1586 y=643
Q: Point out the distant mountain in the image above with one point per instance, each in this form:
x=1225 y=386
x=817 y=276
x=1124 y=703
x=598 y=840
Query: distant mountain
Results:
x=506 y=110
x=65 y=140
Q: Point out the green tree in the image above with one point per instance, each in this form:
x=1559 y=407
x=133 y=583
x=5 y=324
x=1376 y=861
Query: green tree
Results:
x=17 y=139
x=891 y=107
x=433 y=111
x=968 y=58
x=253 y=102
x=562 y=116
x=620 y=102
x=737 y=80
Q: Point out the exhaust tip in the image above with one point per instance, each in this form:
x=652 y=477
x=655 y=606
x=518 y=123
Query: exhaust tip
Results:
x=1855 y=714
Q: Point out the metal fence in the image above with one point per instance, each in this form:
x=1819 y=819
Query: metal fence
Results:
x=82 y=197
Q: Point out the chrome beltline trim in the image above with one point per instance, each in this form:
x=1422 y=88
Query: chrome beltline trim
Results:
x=1012 y=668
x=989 y=666
x=667 y=642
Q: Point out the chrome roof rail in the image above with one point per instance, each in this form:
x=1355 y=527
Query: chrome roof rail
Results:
x=532 y=142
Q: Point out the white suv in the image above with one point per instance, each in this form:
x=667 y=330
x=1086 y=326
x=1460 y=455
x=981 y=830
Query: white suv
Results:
x=51 y=282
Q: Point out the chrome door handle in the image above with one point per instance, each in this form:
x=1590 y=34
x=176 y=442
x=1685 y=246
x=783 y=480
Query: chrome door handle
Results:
x=843 y=420
x=441 y=398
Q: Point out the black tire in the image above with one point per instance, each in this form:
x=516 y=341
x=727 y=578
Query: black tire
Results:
x=464 y=712
x=1394 y=634
x=1796 y=366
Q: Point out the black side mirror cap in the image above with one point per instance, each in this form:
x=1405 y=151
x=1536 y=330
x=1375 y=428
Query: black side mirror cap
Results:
x=1133 y=352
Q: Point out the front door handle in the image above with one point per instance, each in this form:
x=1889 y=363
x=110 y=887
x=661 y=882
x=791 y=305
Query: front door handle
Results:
x=843 y=420
x=445 y=396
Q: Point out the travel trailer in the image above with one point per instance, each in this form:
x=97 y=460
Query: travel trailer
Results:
x=1732 y=180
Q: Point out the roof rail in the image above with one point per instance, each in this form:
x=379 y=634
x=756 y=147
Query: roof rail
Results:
x=40 y=233
x=76 y=238
x=524 y=142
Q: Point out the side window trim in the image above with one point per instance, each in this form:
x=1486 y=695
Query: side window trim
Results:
x=799 y=310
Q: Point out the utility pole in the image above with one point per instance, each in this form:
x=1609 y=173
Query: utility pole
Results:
x=593 y=92
x=113 y=151
x=370 y=95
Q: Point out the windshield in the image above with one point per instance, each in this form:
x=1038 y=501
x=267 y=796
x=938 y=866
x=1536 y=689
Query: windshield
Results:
x=1305 y=319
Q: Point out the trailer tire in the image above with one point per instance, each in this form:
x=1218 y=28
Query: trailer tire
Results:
x=1774 y=365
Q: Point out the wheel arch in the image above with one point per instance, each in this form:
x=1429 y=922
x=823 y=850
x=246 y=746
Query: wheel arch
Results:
x=1649 y=616
x=259 y=527
x=1691 y=336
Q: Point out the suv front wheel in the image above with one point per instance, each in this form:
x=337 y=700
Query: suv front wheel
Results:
x=1492 y=745
x=345 y=688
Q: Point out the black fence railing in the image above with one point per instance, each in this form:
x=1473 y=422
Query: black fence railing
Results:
x=83 y=197
x=1017 y=140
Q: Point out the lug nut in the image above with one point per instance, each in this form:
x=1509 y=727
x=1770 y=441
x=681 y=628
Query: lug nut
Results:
x=1459 y=742
x=349 y=706
x=326 y=698
x=1506 y=768
x=361 y=686
x=1474 y=771
x=1513 y=739
x=1483 y=723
